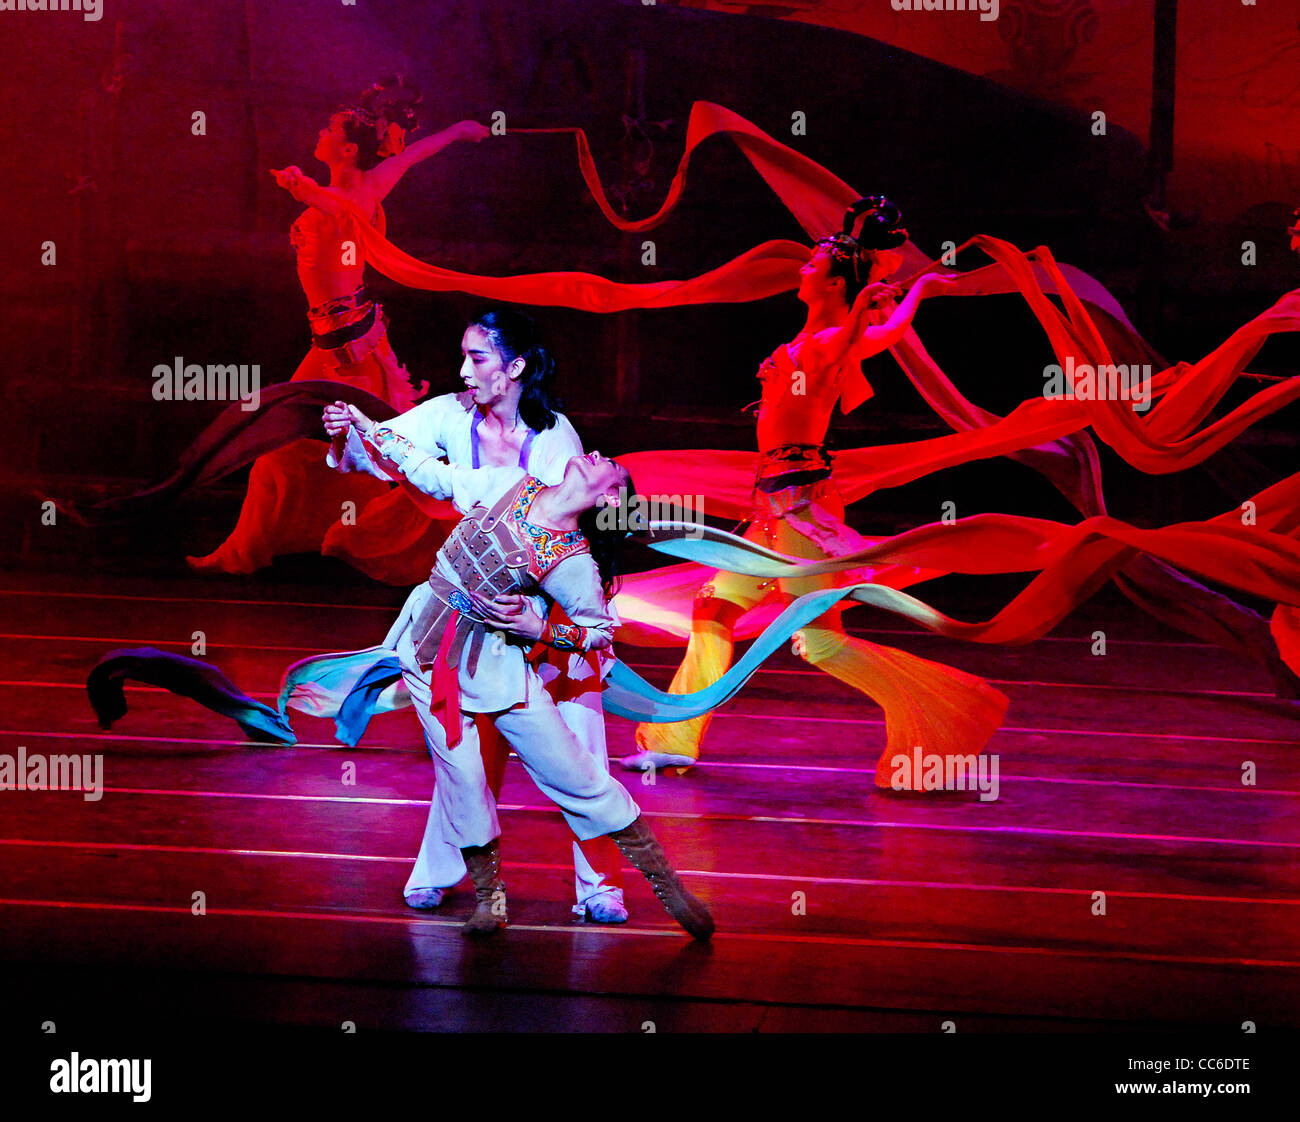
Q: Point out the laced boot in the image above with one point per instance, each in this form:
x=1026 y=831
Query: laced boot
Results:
x=484 y=865
x=646 y=855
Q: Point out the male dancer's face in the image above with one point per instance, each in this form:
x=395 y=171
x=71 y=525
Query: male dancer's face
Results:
x=482 y=370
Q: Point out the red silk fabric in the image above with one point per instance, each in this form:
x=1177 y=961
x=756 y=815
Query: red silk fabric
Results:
x=445 y=691
x=1054 y=436
x=1047 y=435
x=1165 y=441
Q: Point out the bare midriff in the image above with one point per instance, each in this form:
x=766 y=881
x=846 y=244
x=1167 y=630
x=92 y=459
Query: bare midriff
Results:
x=796 y=404
x=319 y=239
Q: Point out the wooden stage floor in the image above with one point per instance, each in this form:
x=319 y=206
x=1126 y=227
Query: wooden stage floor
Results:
x=1119 y=775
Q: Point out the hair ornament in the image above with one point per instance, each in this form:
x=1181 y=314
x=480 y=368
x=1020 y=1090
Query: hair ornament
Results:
x=387 y=107
x=394 y=141
x=881 y=232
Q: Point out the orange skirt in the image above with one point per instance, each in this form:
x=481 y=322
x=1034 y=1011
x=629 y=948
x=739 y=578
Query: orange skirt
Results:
x=297 y=504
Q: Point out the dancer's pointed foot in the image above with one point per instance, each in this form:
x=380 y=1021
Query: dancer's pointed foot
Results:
x=646 y=855
x=605 y=907
x=656 y=761
x=664 y=745
x=214 y=565
x=425 y=898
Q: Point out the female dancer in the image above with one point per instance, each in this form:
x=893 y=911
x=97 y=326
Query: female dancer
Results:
x=292 y=502
x=798 y=511
x=463 y=639
x=506 y=417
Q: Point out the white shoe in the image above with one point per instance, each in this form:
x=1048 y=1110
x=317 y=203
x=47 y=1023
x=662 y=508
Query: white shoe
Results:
x=655 y=761
x=604 y=907
x=424 y=898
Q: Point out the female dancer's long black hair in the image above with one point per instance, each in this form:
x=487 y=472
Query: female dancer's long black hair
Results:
x=515 y=335
x=607 y=532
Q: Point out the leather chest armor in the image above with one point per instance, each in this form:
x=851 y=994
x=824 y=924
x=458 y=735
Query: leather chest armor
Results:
x=489 y=558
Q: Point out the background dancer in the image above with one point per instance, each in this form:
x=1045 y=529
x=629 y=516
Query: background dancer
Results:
x=798 y=511
x=293 y=503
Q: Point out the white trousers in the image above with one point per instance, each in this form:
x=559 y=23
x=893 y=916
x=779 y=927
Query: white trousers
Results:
x=561 y=746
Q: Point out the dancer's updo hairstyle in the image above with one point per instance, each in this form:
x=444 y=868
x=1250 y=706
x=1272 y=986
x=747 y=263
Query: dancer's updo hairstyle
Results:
x=515 y=335
x=855 y=256
x=379 y=121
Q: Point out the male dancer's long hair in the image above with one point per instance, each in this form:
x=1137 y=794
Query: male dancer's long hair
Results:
x=515 y=335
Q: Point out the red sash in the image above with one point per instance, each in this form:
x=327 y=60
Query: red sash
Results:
x=445 y=683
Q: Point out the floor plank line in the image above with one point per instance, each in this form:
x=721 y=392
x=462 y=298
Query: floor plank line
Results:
x=628 y=931
x=703 y=874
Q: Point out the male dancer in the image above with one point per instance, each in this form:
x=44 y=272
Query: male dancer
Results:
x=505 y=418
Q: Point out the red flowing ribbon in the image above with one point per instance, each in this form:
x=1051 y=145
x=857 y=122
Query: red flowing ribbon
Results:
x=445 y=703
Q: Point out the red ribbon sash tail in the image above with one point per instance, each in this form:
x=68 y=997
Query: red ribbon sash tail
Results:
x=445 y=702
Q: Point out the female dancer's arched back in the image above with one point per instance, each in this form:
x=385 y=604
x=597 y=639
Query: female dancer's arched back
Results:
x=798 y=510
x=293 y=500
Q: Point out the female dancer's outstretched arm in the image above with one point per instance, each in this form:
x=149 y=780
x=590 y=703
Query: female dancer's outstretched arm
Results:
x=381 y=180
x=857 y=338
x=377 y=182
x=307 y=191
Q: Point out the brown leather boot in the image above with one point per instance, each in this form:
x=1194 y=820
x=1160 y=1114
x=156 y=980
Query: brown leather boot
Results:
x=484 y=865
x=646 y=855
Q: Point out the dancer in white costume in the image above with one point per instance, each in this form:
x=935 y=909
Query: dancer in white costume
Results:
x=506 y=418
x=464 y=639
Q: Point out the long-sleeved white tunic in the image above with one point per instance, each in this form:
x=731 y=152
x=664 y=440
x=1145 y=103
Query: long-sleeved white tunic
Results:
x=446 y=426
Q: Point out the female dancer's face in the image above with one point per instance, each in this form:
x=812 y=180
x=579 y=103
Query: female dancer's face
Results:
x=487 y=376
x=333 y=146
x=596 y=476
x=816 y=285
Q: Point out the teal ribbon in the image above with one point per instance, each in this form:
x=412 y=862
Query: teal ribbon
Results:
x=358 y=678
x=627 y=694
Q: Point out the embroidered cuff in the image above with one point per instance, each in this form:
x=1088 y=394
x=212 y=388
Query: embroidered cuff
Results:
x=565 y=637
x=390 y=445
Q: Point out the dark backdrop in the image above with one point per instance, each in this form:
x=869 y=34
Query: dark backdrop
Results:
x=171 y=244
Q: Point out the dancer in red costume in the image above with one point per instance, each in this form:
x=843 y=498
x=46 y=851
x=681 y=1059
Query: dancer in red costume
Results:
x=798 y=511
x=1093 y=330
x=294 y=502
